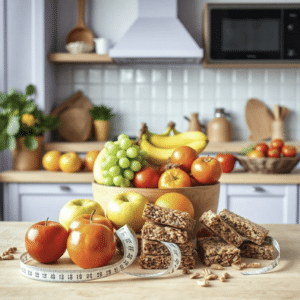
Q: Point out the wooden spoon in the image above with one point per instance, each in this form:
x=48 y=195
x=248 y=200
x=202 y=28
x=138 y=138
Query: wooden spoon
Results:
x=80 y=33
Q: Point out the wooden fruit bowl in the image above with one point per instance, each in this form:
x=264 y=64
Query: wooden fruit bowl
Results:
x=268 y=165
x=204 y=197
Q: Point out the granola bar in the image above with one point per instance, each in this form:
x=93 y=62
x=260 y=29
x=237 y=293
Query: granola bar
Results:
x=248 y=229
x=157 y=248
x=220 y=228
x=251 y=250
x=168 y=216
x=163 y=262
x=151 y=231
x=213 y=250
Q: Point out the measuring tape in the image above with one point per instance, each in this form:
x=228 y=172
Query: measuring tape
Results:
x=130 y=246
x=271 y=266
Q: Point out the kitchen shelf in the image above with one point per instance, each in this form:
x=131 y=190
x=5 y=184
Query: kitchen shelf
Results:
x=60 y=58
x=228 y=147
x=76 y=147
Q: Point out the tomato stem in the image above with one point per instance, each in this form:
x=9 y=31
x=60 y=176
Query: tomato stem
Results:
x=46 y=221
x=92 y=214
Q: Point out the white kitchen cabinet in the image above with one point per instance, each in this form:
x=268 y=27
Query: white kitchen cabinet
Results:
x=35 y=202
x=264 y=204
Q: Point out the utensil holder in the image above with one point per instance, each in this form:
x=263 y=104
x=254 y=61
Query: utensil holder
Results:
x=278 y=130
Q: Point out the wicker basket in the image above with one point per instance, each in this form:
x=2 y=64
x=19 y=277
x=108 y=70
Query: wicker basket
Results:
x=204 y=197
x=268 y=165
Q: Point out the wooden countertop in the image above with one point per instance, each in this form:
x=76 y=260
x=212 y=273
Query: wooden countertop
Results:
x=228 y=147
x=280 y=283
x=236 y=177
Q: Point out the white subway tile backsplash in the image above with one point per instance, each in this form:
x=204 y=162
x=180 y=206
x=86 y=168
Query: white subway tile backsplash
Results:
x=143 y=76
x=159 y=76
x=111 y=75
x=111 y=91
x=80 y=75
x=127 y=91
x=126 y=75
x=157 y=94
x=142 y=91
x=95 y=75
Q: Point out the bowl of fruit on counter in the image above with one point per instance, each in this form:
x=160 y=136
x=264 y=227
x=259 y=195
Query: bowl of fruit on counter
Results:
x=276 y=158
x=164 y=169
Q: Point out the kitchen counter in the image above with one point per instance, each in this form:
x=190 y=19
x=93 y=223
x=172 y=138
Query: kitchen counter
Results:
x=235 y=177
x=280 y=283
x=212 y=147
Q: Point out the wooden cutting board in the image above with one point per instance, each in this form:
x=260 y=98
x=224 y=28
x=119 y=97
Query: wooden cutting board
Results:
x=75 y=120
x=259 y=120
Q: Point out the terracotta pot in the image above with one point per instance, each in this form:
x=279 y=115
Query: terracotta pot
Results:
x=25 y=159
x=101 y=129
x=204 y=197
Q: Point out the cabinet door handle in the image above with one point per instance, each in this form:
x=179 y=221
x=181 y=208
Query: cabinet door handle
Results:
x=258 y=189
x=65 y=188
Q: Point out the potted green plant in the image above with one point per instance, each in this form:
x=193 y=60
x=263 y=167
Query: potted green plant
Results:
x=22 y=126
x=101 y=116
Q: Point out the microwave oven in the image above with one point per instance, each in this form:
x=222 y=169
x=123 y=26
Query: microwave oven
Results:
x=252 y=34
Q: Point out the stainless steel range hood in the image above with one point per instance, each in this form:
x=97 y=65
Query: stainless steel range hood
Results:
x=157 y=36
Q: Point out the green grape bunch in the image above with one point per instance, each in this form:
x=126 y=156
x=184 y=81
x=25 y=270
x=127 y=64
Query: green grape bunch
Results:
x=122 y=160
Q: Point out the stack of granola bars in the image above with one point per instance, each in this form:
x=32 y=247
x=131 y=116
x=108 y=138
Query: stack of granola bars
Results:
x=169 y=225
x=235 y=237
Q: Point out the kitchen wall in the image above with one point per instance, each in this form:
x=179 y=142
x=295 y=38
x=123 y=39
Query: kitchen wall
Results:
x=156 y=94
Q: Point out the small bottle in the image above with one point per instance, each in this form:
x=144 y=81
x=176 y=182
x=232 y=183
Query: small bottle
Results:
x=219 y=128
x=194 y=124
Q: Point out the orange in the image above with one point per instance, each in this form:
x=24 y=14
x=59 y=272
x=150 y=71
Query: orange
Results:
x=174 y=178
x=184 y=156
x=51 y=160
x=70 y=162
x=89 y=160
x=176 y=201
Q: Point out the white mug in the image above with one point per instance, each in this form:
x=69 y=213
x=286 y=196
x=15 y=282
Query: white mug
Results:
x=102 y=45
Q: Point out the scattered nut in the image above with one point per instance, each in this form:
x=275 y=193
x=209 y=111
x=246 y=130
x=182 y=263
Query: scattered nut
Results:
x=8 y=257
x=217 y=267
x=203 y=283
x=212 y=277
x=243 y=265
x=222 y=279
x=254 y=265
x=206 y=272
x=226 y=275
x=12 y=250
x=186 y=271
x=5 y=253
x=195 y=276
x=237 y=267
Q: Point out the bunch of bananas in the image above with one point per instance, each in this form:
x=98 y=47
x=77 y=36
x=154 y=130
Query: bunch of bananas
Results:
x=161 y=146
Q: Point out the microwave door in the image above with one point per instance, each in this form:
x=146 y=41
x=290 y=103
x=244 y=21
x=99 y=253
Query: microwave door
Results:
x=251 y=34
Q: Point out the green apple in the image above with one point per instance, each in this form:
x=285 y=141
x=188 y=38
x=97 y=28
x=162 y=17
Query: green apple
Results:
x=127 y=208
x=76 y=208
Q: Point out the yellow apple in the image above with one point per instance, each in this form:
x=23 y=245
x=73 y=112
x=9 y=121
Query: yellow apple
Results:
x=97 y=167
x=127 y=208
x=76 y=208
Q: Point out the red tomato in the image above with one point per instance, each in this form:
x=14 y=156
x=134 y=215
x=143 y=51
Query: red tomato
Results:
x=227 y=162
x=263 y=147
x=174 y=178
x=184 y=156
x=146 y=178
x=256 y=154
x=46 y=241
x=277 y=144
x=274 y=153
x=81 y=220
x=289 y=151
x=206 y=170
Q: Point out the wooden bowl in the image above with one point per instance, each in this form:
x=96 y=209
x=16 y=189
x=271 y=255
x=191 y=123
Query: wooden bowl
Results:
x=204 y=197
x=268 y=165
